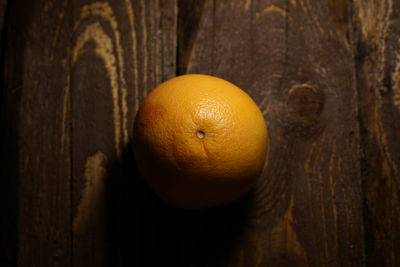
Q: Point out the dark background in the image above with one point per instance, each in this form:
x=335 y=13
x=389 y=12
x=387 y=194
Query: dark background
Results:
x=326 y=75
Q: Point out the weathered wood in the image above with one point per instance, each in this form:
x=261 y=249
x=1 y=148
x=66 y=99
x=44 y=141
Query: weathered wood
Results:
x=77 y=72
x=324 y=73
x=39 y=157
x=190 y=13
x=119 y=52
x=295 y=59
x=377 y=40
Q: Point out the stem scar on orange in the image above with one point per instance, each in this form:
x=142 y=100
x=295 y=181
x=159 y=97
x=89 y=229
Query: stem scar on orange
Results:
x=199 y=141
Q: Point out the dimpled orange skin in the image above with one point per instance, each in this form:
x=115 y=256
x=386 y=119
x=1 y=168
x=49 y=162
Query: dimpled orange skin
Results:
x=199 y=141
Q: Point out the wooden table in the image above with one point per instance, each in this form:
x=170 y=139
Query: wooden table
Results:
x=326 y=75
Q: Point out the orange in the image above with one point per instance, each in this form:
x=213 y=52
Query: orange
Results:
x=199 y=141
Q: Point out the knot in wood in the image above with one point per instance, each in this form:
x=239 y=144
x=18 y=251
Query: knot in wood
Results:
x=304 y=102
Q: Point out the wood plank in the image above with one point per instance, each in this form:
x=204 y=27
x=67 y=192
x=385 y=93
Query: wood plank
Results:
x=76 y=71
x=39 y=159
x=190 y=13
x=377 y=39
x=295 y=59
x=120 y=50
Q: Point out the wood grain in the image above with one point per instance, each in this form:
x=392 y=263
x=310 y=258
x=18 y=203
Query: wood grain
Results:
x=324 y=73
x=119 y=52
x=306 y=210
x=190 y=14
x=76 y=72
x=34 y=78
x=377 y=40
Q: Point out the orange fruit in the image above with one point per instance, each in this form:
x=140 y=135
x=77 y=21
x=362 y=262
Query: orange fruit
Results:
x=199 y=141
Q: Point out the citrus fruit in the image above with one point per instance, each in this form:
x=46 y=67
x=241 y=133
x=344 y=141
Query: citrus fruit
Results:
x=199 y=141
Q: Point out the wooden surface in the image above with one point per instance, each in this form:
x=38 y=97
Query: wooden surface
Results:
x=377 y=51
x=326 y=75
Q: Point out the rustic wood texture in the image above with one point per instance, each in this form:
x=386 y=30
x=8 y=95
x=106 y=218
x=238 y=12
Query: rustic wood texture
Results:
x=190 y=13
x=119 y=52
x=35 y=78
x=377 y=46
x=76 y=78
x=324 y=73
x=306 y=209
